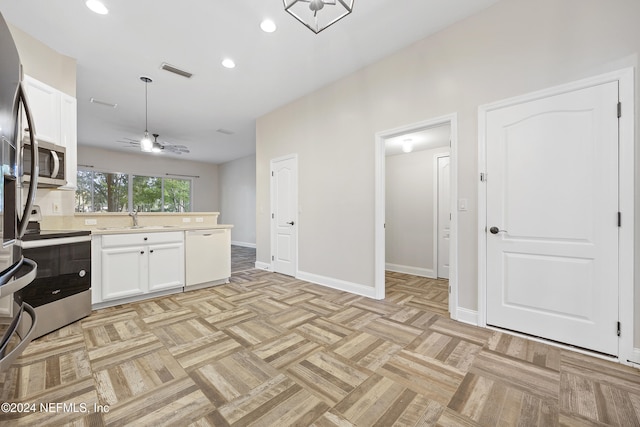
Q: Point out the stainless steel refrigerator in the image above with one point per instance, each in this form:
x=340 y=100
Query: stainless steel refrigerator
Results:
x=16 y=271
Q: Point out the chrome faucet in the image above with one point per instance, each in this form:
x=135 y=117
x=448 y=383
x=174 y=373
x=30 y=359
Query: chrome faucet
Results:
x=134 y=215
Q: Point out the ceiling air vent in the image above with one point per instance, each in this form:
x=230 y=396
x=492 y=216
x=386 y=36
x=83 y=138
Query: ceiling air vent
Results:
x=225 y=131
x=104 y=103
x=175 y=70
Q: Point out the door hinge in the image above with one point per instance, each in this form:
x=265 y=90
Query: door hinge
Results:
x=619 y=219
x=449 y=288
x=273 y=258
x=483 y=177
x=273 y=216
x=618 y=330
x=619 y=109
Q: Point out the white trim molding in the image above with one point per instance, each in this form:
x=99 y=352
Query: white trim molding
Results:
x=379 y=229
x=625 y=78
x=465 y=315
x=341 y=285
x=414 y=271
x=263 y=266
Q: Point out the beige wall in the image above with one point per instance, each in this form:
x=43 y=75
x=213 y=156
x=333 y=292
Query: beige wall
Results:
x=409 y=210
x=205 y=188
x=512 y=48
x=238 y=199
x=45 y=64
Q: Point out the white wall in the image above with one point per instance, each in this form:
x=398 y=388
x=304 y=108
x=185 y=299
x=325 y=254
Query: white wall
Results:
x=205 y=188
x=238 y=199
x=409 y=212
x=511 y=48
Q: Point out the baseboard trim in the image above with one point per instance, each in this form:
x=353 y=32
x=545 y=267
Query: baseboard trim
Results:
x=465 y=315
x=243 y=244
x=341 y=285
x=263 y=265
x=414 y=271
x=635 y=357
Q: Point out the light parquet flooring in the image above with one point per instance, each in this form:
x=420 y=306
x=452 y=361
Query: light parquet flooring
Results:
x=270 y=350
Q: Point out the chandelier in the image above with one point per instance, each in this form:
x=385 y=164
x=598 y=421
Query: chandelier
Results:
x=314 y=15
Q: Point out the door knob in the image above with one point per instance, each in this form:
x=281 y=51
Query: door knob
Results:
x=290 y=223
x=496 y=230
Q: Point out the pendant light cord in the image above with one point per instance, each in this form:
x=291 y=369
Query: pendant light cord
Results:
x=146 y=107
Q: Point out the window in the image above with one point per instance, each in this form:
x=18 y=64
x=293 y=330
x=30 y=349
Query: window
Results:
x=121 y=192
x=177 y=195
x=102 y=192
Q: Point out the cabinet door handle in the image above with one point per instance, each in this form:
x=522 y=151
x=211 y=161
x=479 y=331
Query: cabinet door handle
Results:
x=146 y=238
x=141 y=252
x=151 y=251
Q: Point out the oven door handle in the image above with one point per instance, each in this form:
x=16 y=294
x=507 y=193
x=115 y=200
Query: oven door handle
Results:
x=8 y=286
x=6 y=360
x=23 y=221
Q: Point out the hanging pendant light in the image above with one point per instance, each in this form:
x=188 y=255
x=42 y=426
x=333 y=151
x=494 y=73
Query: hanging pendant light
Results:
x=314 y=15
x=146 y=144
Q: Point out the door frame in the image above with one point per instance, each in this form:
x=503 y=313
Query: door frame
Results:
x=272 y=209
x=436 y=211
x=379 y=221
x=626 y=155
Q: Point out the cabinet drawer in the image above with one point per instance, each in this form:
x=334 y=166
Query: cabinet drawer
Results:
x=111 y=240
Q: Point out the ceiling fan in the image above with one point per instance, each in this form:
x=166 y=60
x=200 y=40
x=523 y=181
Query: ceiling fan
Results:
x=158 y=146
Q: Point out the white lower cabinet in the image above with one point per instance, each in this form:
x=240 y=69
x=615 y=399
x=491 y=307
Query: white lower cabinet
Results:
x=166 y=266
x=136 y=264
x=123 y=272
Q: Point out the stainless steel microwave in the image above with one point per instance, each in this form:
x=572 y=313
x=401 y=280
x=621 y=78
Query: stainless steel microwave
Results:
x=52 y=164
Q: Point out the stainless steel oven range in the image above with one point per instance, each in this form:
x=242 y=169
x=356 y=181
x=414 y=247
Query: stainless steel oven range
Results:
x=61 y=292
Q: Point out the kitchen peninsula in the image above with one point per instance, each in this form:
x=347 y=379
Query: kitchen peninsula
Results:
x=136 y=256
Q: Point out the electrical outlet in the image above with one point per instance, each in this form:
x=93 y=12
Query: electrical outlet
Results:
x=90 y=222
x=186 y=220
x=55 y=207
x=199 y=219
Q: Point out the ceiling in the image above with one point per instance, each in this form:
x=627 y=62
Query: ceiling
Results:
x=136 y=37
x=425 y=139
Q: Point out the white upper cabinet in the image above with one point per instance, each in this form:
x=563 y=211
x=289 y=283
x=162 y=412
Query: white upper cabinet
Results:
x=44 y=102
x=55 y=116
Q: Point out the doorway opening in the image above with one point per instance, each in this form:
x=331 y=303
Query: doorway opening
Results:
x=416 y=222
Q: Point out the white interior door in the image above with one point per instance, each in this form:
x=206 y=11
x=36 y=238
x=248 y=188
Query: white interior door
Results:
x=284 y=202
x=552 y=217
x=444 y=216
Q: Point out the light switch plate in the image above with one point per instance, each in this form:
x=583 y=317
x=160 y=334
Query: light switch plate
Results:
x=463 y=204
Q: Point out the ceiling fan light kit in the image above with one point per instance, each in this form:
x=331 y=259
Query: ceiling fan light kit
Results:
x=318 y=15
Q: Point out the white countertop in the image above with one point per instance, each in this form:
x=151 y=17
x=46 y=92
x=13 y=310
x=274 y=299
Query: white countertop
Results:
x=156 y=228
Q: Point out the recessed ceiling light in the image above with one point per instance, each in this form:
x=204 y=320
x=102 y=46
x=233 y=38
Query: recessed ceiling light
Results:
x=97 y=7
x=268 y=26
x=228 y=63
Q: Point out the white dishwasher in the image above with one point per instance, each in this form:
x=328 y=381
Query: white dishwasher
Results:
x=207 y=257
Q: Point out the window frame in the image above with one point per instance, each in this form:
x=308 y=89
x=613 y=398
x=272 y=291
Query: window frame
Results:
x=130 y=176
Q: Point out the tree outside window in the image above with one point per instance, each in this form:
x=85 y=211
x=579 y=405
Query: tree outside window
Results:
x=118 y=192
x=102 y=192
